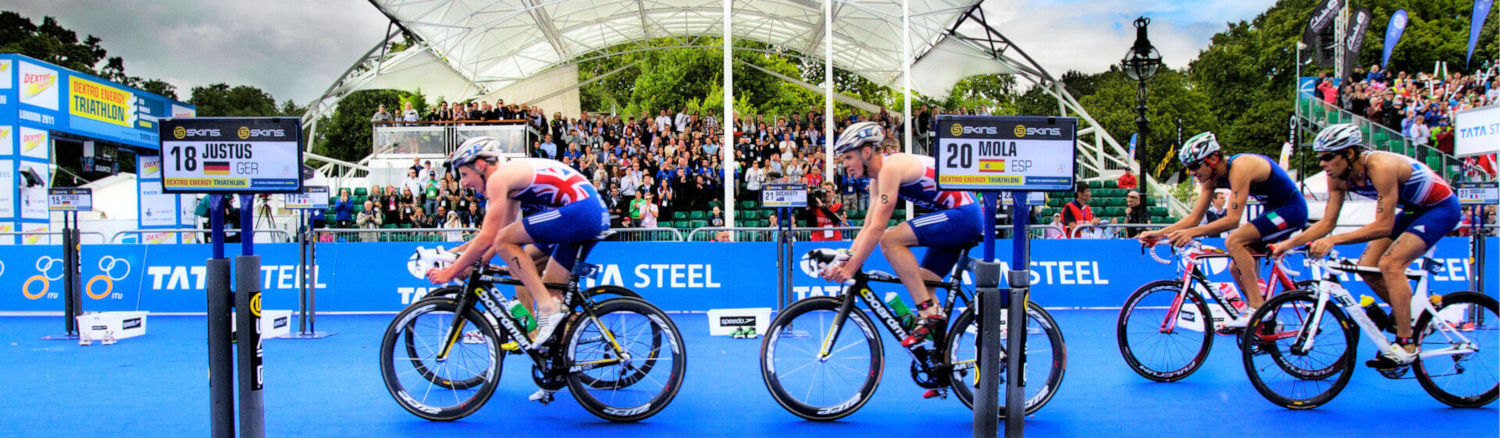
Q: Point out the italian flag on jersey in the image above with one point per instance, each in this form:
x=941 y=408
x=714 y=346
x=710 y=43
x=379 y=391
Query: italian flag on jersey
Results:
x=1277 y=220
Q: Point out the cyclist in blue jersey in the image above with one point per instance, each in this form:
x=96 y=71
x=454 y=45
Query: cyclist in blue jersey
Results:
x=1245 y=175
x=1414 y=207
x=561 y=209
x=945 y=232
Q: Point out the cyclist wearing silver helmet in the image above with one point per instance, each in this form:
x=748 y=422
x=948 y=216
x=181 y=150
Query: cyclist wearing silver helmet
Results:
x=1245 y=175
x=561 y=208
x=954 y=224
x=1414 y=207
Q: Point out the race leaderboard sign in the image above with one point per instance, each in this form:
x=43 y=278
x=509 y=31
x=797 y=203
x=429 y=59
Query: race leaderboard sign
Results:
x=231 y=155
x=1005 y=153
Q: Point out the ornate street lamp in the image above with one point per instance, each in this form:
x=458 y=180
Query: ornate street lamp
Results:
x=1140 y=64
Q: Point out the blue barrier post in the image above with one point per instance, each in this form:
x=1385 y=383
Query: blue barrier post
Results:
x=1015 y=344
x=220 y=360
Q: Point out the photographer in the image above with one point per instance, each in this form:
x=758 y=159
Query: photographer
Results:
x=824 y=212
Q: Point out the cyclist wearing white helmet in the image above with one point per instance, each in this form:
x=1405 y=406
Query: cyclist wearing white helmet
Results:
x=1245 y=175
x=1414 y=207
x=531 y=201
x=955 y=223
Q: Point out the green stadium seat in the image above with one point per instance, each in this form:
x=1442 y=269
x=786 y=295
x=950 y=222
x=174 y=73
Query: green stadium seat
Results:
x=1096 y=184
x=1157 y=211
x=857 y=214
x=698 y=214
x=360 y=191
x=698 y=223
x=747 y=204
x=1111 y=184
x=679 y=215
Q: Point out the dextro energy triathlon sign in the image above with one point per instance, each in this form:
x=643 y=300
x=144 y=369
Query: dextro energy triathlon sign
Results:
x=1005 y=153
x=231 y=155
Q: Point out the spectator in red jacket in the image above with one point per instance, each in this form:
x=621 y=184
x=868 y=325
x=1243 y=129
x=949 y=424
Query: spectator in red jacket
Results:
x=1329 y=92
x=1127 y=181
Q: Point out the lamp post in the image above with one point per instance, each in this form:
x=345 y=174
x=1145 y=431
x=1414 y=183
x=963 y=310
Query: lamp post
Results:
x=1140 y=64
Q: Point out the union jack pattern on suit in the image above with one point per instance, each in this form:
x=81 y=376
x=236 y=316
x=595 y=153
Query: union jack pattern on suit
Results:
x=924 y=191
x=554 y=184
x=1424 y=188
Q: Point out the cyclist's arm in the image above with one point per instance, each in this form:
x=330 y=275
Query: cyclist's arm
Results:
x=1387 y=192
x=497 y=214
x=1200 y=206
x=882 y=206
x=1239 y=192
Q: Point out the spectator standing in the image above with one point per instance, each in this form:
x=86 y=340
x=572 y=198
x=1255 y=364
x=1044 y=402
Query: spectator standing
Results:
x=343 y=210
x=649 y=211
x=1216 y=208
x=369 y=219
x=548 y=148
x=412 y=184
x=409 y=114
x=1056 y=229
x=381 y=115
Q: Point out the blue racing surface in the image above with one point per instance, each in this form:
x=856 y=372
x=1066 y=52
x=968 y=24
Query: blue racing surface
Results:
x=157 y=385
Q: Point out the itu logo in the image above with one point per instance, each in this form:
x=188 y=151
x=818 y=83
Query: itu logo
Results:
x=45 y=266
x=115 y=269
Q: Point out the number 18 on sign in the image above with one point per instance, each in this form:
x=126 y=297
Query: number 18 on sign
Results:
x=1005 y=153
x=231 y=155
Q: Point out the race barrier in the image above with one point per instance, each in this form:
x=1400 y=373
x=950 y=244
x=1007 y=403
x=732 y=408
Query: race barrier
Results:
x=677 y=276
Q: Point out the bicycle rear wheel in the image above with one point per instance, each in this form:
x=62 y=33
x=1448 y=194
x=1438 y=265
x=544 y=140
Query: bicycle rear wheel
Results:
x=636 y=382
x=1464 y=380
x=1045 y=358
x=1149 y=348
x=1274 y=358
x=821 y=389
x=439 y=390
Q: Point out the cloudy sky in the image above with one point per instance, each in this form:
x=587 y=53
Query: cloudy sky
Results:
x=295 y=49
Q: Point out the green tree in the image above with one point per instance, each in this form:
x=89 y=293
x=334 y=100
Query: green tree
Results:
x=221 y=100
x=1169 y=98
x=53 y=43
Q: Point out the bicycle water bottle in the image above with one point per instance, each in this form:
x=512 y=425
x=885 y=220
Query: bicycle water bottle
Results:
x=1376 y=314
x=519 y=311
x=1232 y=293
x=903 y=313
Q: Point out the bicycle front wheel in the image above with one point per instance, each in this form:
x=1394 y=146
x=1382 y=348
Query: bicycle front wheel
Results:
x=1466 y=321
x=1045 y=358
x=620 y=368
x=815 y=387
x=440 y=390
x=1288 y=371
x=1161 y=336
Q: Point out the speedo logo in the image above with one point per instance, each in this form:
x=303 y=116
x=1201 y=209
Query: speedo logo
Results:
x=959 y=130
x=736 y=320
x=181 y=132
x=1022 y=131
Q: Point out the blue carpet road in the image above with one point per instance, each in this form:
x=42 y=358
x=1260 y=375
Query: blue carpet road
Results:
x=156 y=385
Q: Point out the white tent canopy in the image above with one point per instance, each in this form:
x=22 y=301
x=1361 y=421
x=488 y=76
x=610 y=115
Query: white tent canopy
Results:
x=470 y=48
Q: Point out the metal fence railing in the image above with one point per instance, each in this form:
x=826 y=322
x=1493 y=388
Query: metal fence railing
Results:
x=645 y=235
x=196 y=235
x=34 y=237
x=1110 y=231
x=1379 y=137
x=456 y=235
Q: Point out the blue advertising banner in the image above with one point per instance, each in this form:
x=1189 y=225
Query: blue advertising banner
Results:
x=1306 y=84
x=677 y=276
x=49 y=97
x=1393 y=35
x=1476 y=25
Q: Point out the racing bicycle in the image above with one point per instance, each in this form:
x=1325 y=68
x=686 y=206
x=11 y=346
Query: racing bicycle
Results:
x=621 y=357
x=818 y=370
x=1306 y=340
x=1166 y=327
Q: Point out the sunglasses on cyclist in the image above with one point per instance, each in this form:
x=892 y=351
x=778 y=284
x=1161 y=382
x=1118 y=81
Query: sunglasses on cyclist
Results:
x=1194 y=167
x=1327 y=156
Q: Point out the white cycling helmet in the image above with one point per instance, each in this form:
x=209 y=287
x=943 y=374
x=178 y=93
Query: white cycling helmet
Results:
x=474 y=149
x=1198 y=148
x=858 y=135
x=1338 y=137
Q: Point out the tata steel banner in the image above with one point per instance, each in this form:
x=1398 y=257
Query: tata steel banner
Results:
x=680 y=276
x=50 y=98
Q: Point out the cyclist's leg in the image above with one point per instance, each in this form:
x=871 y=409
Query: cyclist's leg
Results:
x=1375 y=249
x=1422 y=233
x=1275 y=225
x=511 y=240
x=1242 y=264
x=896 y=245
x=1393 y=264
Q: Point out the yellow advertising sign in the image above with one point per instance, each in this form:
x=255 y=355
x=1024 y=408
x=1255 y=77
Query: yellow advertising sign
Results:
x=96 y=101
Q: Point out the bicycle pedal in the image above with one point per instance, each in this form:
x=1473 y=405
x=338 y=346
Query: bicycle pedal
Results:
x=934 y=393
x=511 y=346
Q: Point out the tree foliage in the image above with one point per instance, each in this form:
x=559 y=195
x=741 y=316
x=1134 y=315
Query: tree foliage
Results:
x=53 y=43
x=347 y=133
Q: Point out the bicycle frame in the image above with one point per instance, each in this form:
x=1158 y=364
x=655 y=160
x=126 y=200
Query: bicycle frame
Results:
x=1330 y=289
x=482 y=288
x=953 y=288
x=1192 y=276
